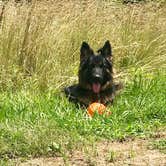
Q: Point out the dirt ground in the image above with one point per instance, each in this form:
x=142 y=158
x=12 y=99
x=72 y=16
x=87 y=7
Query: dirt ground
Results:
x=133 y=153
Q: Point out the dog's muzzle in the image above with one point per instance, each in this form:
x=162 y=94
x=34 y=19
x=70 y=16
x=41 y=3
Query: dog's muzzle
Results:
x=96 y=79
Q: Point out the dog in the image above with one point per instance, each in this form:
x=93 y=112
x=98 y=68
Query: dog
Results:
x=95 y=83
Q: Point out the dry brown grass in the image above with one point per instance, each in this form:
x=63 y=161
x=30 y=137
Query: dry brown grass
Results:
x=39 y=42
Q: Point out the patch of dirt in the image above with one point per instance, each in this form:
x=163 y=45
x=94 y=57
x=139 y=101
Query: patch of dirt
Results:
x=105 y=153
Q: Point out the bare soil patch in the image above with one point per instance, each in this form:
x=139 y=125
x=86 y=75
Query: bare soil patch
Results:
x=105 y=153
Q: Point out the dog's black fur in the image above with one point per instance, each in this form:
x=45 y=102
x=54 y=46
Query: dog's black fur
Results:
x=95 y=77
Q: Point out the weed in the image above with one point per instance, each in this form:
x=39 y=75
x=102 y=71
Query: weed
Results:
x=159 y=144
x=112 y=156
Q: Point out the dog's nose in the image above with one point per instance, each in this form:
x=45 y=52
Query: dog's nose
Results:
x=97 y=78
x=97 y=75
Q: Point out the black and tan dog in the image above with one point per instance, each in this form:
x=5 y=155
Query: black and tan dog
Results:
x=95 y=77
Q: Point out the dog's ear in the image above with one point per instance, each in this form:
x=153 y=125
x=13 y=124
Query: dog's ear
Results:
x=106 y=51
x=85 y=51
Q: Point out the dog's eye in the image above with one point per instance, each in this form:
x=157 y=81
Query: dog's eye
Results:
x=101 y=65
x=92 y=65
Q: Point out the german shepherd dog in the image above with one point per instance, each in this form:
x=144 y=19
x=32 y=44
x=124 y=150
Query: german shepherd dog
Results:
x=95 y=77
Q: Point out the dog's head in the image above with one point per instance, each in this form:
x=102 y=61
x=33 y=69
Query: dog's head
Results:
x=95 y=72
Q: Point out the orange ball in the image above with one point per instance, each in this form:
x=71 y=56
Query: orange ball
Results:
x=96 y=107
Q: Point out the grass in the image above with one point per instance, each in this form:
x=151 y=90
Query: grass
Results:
x=38 y=40
x=159 y=144
x=39 y=52
x=111 y=157
x=46 y=124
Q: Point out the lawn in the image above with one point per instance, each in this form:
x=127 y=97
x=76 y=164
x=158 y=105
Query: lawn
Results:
x=39 y=51
x=34 y=125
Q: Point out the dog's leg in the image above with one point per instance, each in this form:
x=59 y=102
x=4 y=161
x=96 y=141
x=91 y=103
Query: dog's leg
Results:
x=78 y=95
x=71 y=93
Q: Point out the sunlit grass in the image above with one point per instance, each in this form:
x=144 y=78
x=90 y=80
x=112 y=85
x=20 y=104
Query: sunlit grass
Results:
x=40 y=42
x=47 y=124
x=39 y=55
x=159 y=144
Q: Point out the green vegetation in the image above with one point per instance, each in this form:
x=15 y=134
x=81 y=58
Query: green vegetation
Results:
x=159 y=144
x=46 y=124
x=39 y=55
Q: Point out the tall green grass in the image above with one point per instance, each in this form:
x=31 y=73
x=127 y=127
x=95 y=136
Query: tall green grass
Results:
x=40 y=41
